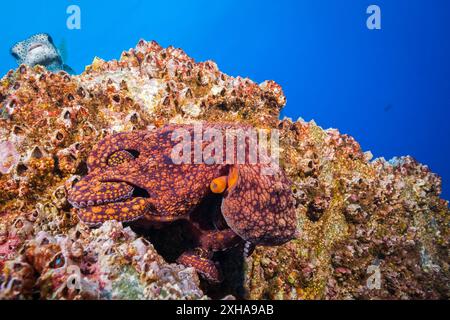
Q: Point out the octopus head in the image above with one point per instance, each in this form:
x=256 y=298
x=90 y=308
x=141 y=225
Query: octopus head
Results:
x=113 y=188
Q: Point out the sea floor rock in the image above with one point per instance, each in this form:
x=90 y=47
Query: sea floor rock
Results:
x=370 y=229
x=107 y=263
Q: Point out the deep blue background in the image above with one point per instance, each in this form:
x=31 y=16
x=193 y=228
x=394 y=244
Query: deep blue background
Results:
x=390 y=89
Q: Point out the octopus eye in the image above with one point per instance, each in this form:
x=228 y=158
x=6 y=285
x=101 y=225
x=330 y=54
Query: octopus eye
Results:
x=219 y=185
x=120 y=157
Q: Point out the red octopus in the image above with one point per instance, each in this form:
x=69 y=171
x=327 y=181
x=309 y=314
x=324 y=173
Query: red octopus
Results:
x=132 y=176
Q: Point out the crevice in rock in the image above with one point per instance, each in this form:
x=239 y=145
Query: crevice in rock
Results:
x=172 y=239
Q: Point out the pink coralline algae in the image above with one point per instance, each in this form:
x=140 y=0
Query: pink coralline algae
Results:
x=368 y=229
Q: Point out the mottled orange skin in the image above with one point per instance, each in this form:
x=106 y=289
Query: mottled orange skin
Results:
x=132 y=176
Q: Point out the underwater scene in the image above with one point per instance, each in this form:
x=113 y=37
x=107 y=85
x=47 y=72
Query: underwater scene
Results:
x=224 y=150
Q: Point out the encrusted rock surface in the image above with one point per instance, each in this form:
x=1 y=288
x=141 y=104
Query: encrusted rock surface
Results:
x=370 y=229
x=108 y=263
x=361 y=220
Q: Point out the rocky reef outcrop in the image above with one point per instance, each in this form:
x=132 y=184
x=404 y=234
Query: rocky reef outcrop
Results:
x=370 y=229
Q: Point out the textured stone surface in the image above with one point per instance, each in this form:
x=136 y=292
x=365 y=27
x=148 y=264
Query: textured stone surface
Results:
x=355 y=214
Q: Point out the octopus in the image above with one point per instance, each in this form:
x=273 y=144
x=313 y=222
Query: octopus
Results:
x=156 y=176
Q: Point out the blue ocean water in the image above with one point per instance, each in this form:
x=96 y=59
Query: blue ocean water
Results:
x=388 y=88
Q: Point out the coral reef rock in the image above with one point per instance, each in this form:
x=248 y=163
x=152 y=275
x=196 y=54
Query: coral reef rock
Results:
x=370 y=229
